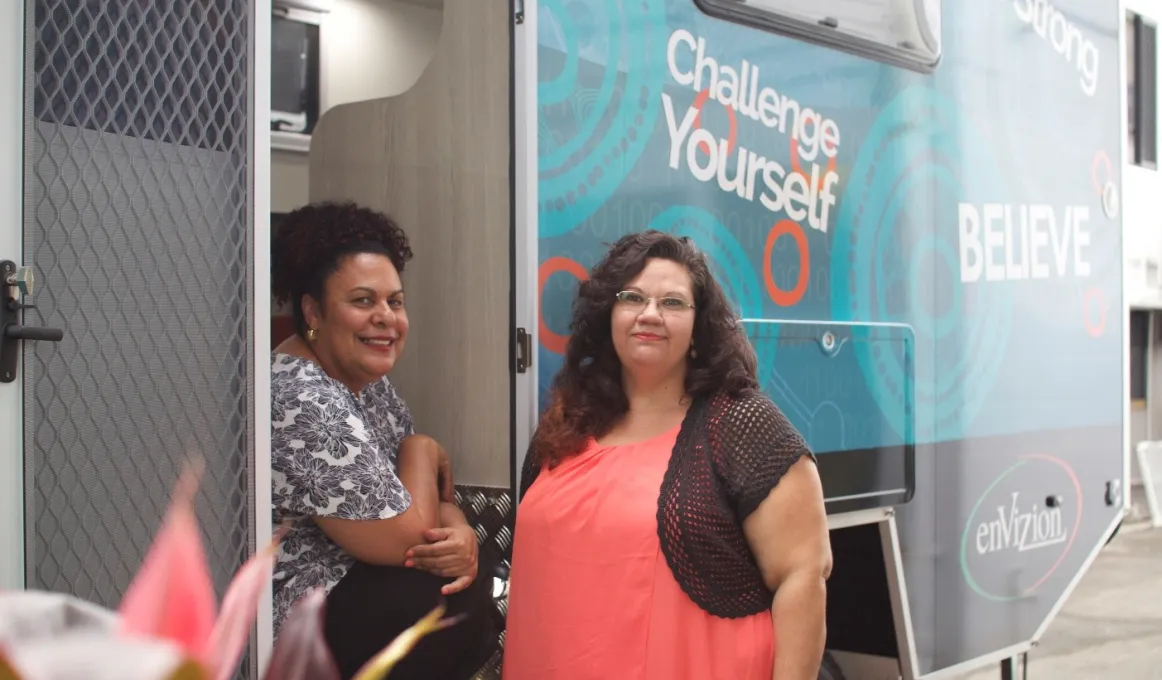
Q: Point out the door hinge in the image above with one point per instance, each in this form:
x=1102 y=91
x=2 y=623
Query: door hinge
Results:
x=518 y=11
x=524 y=350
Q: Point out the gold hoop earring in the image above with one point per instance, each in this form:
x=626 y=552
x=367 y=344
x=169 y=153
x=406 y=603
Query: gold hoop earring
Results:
x=311 y=334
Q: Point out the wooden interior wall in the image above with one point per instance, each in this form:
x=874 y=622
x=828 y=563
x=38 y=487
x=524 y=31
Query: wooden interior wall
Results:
x=436 y=158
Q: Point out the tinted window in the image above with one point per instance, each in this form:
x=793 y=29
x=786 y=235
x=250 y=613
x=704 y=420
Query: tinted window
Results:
x=904 y=32
x=1142 y=96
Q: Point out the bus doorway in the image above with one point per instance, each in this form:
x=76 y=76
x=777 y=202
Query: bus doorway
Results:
x=413 y=118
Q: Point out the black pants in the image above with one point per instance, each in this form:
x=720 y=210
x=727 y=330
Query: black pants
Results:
x=371 y=605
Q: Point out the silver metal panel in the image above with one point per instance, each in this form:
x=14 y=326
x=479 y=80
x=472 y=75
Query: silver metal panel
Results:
x=898 y=591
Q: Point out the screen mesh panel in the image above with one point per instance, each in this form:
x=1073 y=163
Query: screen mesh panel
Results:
x=137 y=221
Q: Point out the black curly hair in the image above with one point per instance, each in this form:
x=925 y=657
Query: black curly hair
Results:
x=312 y=241
x=587 y=396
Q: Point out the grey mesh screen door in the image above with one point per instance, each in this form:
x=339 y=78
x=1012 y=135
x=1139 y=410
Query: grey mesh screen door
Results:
x=126 y=128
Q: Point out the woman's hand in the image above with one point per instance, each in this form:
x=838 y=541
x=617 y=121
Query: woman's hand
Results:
x=450 y=552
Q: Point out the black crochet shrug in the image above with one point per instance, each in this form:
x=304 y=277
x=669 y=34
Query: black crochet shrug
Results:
x=729 y=454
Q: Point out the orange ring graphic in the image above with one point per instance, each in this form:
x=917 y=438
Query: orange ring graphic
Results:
x=731 y=141
x=554 y=342
x=787 y=298
x=1095 y=329
x=796 y=169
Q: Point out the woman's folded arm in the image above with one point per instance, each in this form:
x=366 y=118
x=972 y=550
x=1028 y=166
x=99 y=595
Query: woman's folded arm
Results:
x=385 y=541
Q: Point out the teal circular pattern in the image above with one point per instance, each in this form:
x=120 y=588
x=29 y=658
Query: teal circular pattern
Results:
x=895 y=260
x=597 y=102
x=731 y=267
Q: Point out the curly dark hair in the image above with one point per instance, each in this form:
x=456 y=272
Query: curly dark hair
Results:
x=587 y=397
x=312 y=241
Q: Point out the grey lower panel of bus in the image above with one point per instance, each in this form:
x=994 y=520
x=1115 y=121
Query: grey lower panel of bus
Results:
x=137 y=221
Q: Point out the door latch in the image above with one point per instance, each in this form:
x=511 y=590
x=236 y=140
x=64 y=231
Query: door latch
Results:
x=16 y=283
x=524 y=350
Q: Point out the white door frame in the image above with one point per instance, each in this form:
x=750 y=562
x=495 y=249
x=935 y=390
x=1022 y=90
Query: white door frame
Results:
x=524 y=101
x=260 y=307
x=12 y=248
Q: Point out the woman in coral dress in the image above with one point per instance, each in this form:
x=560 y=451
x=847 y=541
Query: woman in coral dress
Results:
x=671 y=524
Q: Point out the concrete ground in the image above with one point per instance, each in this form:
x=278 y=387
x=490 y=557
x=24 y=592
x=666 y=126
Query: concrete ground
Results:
x=1111 y=628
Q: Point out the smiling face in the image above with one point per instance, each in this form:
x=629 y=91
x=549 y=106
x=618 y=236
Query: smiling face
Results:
x=653 y=323
x=361 y=325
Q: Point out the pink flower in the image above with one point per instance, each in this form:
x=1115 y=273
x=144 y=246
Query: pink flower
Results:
x=172 y=596
x=169 y=627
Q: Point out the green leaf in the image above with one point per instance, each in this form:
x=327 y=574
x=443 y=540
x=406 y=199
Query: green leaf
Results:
x=189 y=670
x=382 y=663
x=7 y=672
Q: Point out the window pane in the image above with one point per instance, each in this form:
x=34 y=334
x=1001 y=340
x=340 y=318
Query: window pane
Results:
x=1139 y=344
x=1131 y=92
x=1147 y=78
x=906 y=29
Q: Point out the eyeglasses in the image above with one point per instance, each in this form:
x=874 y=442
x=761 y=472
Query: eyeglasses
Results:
x=631 y=299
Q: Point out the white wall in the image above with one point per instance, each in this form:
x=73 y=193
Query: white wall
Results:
x=289 y=180
x=370 y=49
x=1141 y=202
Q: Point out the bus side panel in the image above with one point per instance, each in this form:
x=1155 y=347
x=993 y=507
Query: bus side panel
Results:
x=974 y=207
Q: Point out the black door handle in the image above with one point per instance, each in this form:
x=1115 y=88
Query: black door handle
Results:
x=33 y=333
x=10 y=341
x=15 y=283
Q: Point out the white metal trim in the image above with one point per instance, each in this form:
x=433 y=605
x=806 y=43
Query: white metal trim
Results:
x=315 y=6
x=12 y=247
x=286 y=141
x=262 y=312
x=898 y=593
x=860 y=496
x=524 y=97
x=1148 y=487
x=1123 y=108
x=1149 y=368
x=306 y=15
x=828 y=322
x=1147 y=477
x=977 y=663
x=857 y=518
x=859 y=666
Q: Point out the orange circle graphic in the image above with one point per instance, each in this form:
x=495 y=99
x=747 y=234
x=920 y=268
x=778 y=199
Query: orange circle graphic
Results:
x=787 y=298
x=554 y=342
x=731 y=141
x=796 y=169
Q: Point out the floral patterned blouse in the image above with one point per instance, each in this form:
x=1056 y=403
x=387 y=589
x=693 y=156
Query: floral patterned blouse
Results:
x=333 y=454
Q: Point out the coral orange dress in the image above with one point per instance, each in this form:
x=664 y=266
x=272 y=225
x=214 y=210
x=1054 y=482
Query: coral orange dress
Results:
x=592 y=597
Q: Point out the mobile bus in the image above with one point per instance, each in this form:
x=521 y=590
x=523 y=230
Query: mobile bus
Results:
x=914 y=205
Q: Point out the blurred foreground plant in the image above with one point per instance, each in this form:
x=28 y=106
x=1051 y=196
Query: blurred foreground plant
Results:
x=168 y=626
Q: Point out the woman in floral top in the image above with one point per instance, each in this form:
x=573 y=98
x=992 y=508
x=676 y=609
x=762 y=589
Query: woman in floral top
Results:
x=371 y=502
